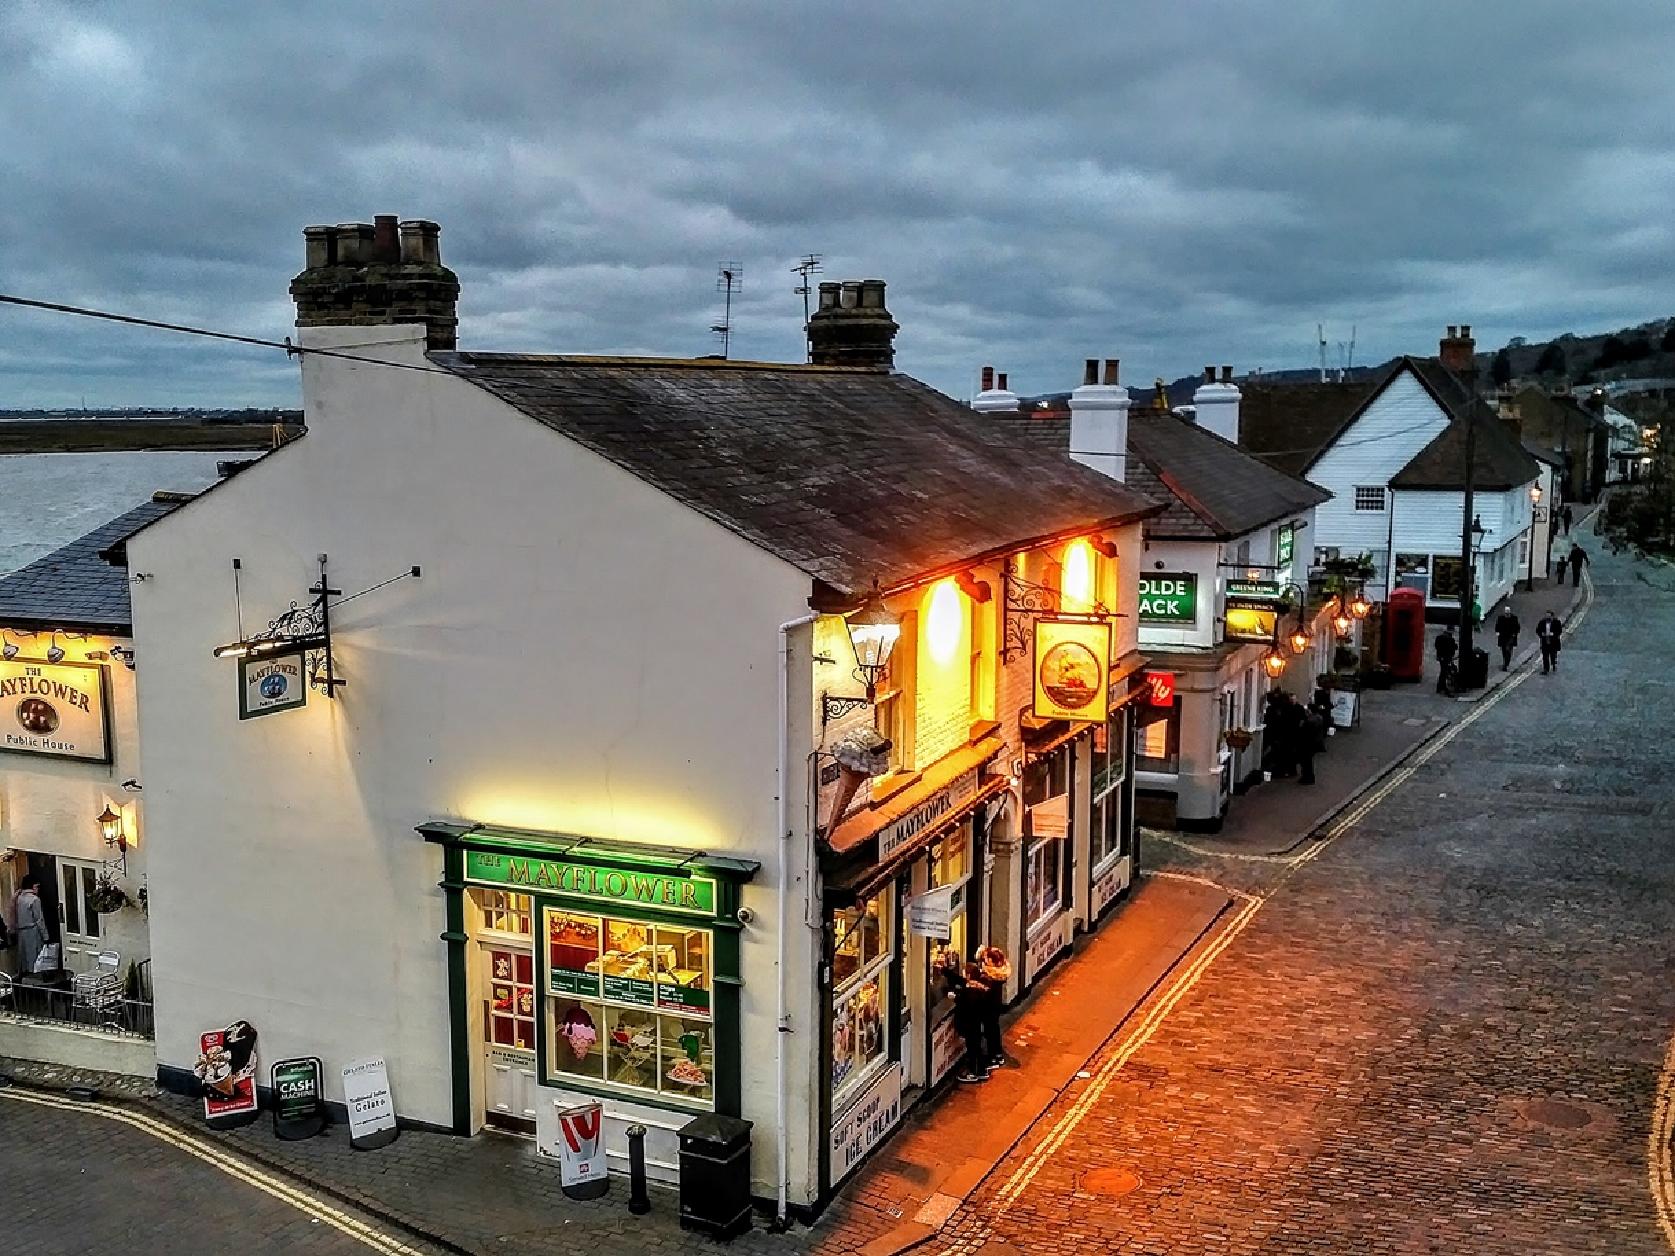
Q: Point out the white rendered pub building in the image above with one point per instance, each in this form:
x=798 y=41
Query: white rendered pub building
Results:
x=539 y=758
x=70 y=812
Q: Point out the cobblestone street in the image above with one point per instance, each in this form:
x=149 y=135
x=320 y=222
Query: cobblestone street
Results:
x=1441 y=1033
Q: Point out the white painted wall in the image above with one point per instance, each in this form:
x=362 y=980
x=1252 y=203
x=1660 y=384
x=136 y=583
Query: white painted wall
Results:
x=1429 y=523
x=1401 y=421
x=580 y=654
x=52 y=805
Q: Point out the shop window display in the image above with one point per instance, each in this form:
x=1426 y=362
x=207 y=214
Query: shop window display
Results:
x=1109 y=773
x=629 y=1004
x=860 y=979
x=1047 y=792
x=509 y=1009
x=950 y=865
x=1158 y=739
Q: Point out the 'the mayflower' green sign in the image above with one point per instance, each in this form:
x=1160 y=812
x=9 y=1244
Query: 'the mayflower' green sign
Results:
x=633 y=887
x=1169 y=597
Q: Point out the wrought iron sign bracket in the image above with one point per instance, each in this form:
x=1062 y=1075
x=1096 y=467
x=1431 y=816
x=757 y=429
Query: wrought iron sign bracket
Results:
x=1022 y=601
x=835 y=706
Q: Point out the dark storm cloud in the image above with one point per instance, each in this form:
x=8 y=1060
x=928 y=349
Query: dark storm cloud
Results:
x=1173 y=183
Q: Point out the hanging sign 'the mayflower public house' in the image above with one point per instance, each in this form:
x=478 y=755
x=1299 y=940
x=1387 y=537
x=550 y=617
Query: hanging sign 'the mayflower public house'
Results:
x=1072 y=669
x=271 y=683
x=54 y=709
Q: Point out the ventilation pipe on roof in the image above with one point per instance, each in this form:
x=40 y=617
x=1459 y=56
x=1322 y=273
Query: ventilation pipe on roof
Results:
x=1216 y=403
x=1099 y=421
x=994 y=399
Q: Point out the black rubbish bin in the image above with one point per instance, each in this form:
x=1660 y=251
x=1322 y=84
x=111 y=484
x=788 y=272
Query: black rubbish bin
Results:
x=715 y=1175
x=1474 y=669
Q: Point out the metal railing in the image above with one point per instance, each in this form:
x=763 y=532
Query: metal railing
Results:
x=109 y=1012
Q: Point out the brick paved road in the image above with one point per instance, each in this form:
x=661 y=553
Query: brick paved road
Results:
x=1441 y=1035
x=80 y=1183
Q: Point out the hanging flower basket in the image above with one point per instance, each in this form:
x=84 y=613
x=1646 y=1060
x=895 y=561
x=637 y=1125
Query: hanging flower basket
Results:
x=107 y=895
x=1239 y=738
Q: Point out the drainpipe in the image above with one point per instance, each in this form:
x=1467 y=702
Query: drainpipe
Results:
x=782 y=1019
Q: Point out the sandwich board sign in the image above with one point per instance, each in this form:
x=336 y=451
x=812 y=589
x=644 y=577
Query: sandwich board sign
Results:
x=581 y=1151
x=366 y=1094
x=226 y=1073
x=299 y=1110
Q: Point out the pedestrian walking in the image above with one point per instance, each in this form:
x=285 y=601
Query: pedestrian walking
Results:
x=1273 y=734
x=969 y=997
x=1311 y=740
x=997 y=971
x=1446 y=650
x=1577 y=560
x=1507 y=629
x=31 y=920
x=1565 y=518
x=1548 y=631
x=1321 y=705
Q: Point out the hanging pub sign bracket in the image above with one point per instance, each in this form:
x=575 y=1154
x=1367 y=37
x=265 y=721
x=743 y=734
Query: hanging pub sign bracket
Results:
x=1022 y=602
x=301 y=635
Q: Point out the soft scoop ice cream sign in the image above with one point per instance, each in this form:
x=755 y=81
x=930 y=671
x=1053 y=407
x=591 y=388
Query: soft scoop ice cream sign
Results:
x=54 y=709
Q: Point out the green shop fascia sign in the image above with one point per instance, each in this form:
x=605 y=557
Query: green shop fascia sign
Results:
x=1169 y=597
x=609 y=886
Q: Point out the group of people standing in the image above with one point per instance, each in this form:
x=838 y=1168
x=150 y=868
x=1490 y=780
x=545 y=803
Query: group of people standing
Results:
x=1292 y=734
x=979 y=989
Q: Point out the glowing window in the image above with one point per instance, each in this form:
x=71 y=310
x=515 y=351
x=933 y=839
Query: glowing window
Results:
x=1076 y=578
x=943 y=621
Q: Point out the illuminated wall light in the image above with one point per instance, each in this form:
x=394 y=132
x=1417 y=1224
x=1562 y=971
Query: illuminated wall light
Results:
x=944 y=620
x=1076 y=577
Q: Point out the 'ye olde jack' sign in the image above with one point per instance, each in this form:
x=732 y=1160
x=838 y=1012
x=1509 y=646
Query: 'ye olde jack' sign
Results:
x=55 y=709
x=1169 y=597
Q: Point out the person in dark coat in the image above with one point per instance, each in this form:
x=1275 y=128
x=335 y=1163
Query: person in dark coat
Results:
x=970 y=996
x=1290 y=730
x=1311 y=739
x=1565 y=518
x=1548 y=631
x=1577 y=560
x=997 y=970
x=1273 y=733
x=1446 y=648
x=1507 y=629
x=1321 y=705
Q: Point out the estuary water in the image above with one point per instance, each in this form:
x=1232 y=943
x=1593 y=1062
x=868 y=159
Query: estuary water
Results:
x=48 y=500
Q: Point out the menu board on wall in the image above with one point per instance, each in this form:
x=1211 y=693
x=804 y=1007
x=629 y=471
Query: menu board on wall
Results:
x=54 y=709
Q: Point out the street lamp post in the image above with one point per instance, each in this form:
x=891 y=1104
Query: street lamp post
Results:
x=1535 y=505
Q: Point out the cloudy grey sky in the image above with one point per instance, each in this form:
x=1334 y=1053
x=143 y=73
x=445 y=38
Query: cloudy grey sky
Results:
x=1169 y=181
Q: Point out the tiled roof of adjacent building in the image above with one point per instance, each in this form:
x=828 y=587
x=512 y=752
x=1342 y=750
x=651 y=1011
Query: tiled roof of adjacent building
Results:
x=1287 y=425
x=1292 y=425
x=850 y=475
x=76 y=588
x=1212 y=489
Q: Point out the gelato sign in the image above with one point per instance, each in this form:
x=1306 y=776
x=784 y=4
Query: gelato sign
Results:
x=270 y=684
x=1169 y=597
x=55 y=709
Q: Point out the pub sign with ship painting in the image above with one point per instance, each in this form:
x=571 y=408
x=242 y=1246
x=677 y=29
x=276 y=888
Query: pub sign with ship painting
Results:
x=1072 y=669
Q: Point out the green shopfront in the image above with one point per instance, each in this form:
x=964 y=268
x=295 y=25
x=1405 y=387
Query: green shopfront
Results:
x=582 y=969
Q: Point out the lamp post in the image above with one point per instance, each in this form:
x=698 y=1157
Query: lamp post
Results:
x=1535 y=505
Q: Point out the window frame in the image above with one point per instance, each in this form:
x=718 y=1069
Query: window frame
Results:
x=1364 y=493
x=877 y=969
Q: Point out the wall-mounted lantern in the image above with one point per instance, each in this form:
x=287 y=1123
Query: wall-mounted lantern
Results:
x=873 y=632
x=1359 y=606
x=112 y=829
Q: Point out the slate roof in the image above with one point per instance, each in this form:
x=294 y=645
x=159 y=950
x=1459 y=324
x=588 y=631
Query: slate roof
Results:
x=1288 y=425
x=1212 y=489
x=1499 y=458
x=851 y=475
x=77 y=588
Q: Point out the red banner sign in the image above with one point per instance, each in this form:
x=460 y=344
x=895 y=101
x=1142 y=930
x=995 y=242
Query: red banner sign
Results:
x=1160 y=689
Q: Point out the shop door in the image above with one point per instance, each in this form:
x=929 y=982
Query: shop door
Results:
x=78 y=922
x=508 y=978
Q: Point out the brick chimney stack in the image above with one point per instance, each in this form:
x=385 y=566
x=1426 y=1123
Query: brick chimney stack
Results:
x=356 y=275
x=1458 y=352
x=852 y=327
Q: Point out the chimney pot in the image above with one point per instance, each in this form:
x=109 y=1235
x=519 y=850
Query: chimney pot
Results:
x=1001 y=381
x=1090 y=371
x=319 y=247
x=851 y=294
x=829 y=294
x=852 y=327
x=1209 y=374
x=1452 y=331
x=872 y=294
x=1465 y=331
x=386 y=248
x=1112 y=367
x=1227 y=375
x=988 y=378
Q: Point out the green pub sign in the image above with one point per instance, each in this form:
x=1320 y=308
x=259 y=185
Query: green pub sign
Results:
x=629 y=887
x=1169 y=597
x=1286 y=547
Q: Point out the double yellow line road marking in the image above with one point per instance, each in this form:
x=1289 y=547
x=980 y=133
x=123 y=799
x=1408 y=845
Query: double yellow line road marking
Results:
x=225 y=1162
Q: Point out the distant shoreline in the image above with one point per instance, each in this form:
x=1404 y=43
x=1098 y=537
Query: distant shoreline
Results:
x=89 y=436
